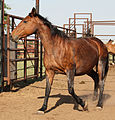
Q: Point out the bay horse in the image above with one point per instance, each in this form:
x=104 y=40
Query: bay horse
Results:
x=111 y=46
x=69 y=56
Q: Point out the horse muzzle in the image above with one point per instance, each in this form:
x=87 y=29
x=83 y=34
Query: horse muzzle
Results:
x=14 y=38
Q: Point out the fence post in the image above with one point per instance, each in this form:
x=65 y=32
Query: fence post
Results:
x=8 y=50
x=1 y=23
x=25 y=61
x=41 y=56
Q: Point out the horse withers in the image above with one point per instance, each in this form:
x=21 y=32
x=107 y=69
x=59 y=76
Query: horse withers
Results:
x=65 y=55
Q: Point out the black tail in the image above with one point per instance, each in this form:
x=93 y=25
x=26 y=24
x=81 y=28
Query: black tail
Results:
x=106 y=66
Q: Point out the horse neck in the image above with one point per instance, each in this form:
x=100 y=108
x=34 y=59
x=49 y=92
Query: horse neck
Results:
x=46 y=39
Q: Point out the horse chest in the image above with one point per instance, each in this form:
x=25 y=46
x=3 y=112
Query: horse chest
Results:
x=51 y=63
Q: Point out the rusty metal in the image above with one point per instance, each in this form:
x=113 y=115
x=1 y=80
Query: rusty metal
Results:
x=83 y=28
x=14 y=16
x=8 y=51
x=89 y=25
x=88 y=14
x=74 y=24
x=36 y=49
x=3 y=45
x=37 y=6
x=25 y=56
x=14 y=60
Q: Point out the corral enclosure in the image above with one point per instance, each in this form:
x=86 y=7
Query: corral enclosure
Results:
x=24 y=60
x=26 y=98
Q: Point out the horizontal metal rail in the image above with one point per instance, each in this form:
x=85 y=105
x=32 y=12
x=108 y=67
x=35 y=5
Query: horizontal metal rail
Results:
x=23 y=59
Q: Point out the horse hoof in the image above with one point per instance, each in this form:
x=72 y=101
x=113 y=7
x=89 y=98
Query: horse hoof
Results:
x=40 y=112
x=85 y=108
x=98 y=108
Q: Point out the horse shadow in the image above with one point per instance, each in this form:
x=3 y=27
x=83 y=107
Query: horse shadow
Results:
x=68 y=99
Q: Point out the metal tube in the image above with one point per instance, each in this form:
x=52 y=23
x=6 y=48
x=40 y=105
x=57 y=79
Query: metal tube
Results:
x=1 y=46
x=25 y=56
x=36 y=62
x=8 y=51
x=37 y=6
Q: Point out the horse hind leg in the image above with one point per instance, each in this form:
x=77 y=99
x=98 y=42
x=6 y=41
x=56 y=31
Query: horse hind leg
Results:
x=102 y=72
x=95 y=77
x=70 y=77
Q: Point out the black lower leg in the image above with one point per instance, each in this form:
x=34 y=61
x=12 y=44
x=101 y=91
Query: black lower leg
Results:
x=70 y=76
x=77 y=98
x=100 y=101
x=95 y=77
x=47 y=92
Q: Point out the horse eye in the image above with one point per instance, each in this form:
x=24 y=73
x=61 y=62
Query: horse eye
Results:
x=25 y=21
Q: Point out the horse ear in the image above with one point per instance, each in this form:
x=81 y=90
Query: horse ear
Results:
x=33 y=12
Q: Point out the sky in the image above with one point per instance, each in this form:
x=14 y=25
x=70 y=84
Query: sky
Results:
x=59 y=11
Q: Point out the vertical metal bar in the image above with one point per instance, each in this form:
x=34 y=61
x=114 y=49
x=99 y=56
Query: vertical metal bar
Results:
x=41 y=55
x=41 y=59
x=74 y=21
x=8 y=49
x=15 y=51
x=64 y=27
x=75 y=24
x=87 y=25
x=113 y=59
x=25 y=61
x=1 y=45
x=83 y=30
x=36 y=62
x=12 y=23
x=37 y=6
x=69 y=25
x=93 y=29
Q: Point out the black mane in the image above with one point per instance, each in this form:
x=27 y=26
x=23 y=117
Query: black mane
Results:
x=54 y=30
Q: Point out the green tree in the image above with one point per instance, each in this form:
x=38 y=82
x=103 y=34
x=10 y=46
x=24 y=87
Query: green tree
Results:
x=6 y=7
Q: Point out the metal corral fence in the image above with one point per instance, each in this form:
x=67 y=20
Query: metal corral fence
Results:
x=22 y=60
x=84 y=26
x=18 y=61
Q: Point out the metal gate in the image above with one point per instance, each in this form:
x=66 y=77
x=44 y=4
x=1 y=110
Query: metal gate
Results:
x=22 y=60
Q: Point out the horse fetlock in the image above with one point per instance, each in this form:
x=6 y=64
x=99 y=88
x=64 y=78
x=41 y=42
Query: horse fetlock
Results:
x=95 y=96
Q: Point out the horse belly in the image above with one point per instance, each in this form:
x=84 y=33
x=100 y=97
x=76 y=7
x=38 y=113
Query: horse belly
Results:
x=86 y=64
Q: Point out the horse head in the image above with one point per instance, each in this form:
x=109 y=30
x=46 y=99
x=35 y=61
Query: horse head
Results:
x=26 y=27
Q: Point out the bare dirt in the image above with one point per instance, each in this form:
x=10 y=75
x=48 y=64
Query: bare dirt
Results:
x=22 y=103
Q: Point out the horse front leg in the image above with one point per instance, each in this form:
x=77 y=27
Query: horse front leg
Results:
x=49 y=81
x=70 y=77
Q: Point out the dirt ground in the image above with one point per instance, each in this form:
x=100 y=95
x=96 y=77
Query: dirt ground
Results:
x=22 y=103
